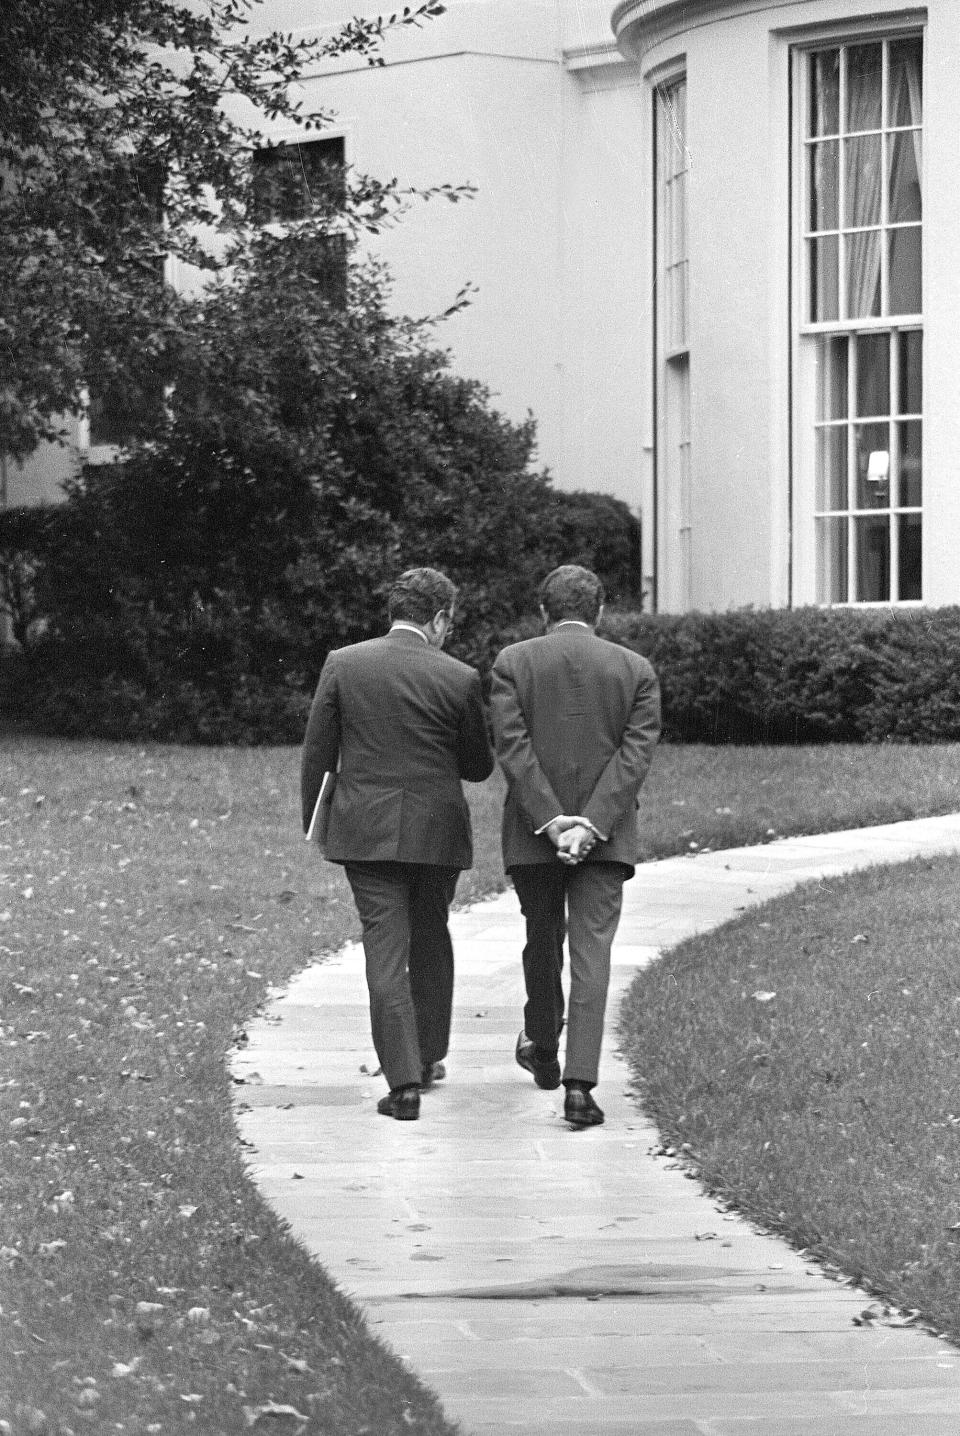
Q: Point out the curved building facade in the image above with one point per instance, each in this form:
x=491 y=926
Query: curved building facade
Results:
x=800 y=367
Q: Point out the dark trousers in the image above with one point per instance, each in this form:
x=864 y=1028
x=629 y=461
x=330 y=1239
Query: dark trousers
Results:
x=403 y=911
x=585 y=901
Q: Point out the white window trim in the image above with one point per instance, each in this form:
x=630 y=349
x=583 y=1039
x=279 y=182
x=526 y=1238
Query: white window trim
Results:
x=673 y=518
x=803 y=42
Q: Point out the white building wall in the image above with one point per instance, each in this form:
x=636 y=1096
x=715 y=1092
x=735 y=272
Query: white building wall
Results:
x=532 y=104
x=748 y=546
x=941 y=304
x=606 y=293
x=493 y=122
x=730 y=274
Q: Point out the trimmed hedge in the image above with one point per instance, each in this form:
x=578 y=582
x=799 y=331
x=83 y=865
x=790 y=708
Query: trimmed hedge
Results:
x=136 y=625
x=135 y=662
x=805 y=675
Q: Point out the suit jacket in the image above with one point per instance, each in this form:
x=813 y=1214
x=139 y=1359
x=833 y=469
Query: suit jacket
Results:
x=406 y=723
x=576 y=719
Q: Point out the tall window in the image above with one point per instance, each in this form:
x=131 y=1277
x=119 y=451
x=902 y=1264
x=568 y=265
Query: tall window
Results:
x=290 y=182
x=863 y=316
x=674 y=498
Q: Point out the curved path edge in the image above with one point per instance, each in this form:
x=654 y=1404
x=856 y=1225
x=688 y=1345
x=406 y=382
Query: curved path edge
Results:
x=561 y=1283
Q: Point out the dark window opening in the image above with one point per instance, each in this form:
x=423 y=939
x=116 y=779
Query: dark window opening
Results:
x=291 y=181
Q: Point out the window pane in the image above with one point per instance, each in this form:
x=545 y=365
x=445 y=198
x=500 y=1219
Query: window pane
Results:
x=832 y=467
x=910 y=438
x=825 y=93
x=911 y=556
x=872 y=447
x=824 y=181
x=673 y=156
x=873 y=374
x=864 y=87
x=677 y=118
x=290 y=180
x=872 y=559
x=121 y=408
x=910 y=389
x=864 y=179
x=906 y=200
x=677 y=200
x=863 y=274
x=905 y=270
x=824 y=278
x=832 y=367
x=832 y=585
x=906 y=81
x=677 y=306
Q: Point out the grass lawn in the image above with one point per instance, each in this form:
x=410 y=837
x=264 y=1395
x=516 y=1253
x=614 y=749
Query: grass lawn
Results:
x=149 y=898
x=806 y=1057
x=698 y=797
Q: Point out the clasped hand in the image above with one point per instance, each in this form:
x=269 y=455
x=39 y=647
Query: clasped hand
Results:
x=573 y=838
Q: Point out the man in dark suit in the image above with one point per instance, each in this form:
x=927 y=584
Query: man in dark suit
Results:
x=576 y=720
x=405 y=723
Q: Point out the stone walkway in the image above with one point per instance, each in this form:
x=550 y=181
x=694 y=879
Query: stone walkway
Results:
x=561 y=1283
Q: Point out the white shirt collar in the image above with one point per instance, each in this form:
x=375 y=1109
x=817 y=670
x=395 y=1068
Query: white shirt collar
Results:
x=565 y=622
x=410 y=628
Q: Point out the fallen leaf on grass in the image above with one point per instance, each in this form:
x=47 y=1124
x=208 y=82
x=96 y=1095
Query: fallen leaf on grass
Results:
x=32 y=1418
x=296 y=1363
x=272 y=1408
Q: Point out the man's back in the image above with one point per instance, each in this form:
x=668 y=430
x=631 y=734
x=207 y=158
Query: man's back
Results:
x=590 y=712
x=405 y=721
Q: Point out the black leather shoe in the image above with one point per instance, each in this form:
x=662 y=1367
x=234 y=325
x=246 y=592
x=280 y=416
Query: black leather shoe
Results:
x=579 y=1108
x=432 y=1072
x=545 y=1070
x=402 y=1103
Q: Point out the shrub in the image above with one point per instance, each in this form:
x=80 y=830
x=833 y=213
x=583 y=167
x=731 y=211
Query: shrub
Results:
x=309 y=452
x=24 y=535
x=803 y=675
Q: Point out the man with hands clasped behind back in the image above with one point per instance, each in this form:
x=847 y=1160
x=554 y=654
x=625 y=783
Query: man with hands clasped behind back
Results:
x=576 y=719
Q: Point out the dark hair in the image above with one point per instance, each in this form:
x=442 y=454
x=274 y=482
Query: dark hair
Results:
x=418 y=594
x=571 y=592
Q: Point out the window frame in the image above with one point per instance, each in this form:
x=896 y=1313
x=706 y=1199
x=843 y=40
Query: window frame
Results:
x=673 y=494
x=806 y=334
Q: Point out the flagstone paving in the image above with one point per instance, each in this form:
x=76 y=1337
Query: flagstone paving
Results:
x=572 y=1283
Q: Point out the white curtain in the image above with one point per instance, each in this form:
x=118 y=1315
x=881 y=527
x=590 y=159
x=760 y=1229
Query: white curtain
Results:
x=863 y=158
x=906 y=107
